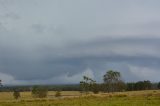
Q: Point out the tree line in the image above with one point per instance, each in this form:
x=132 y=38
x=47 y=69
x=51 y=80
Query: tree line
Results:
x=112 y=82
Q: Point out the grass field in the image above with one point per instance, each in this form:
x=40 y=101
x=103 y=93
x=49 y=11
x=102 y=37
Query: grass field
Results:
x=134 y=98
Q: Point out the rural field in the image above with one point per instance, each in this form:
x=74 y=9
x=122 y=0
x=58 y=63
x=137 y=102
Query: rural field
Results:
x=75 y=98
x=79 y=53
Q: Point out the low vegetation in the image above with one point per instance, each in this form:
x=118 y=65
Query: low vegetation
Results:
x=58 y=94
x=16 y=94
x=131 y=98
x=112 y=92
x=39 y=92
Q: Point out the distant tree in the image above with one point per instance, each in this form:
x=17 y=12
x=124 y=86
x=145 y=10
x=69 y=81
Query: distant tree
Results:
x=16 y=94
x=95 y=88
x=140 y=85
x=147 y=85
x=120 y=86
x=143 y=85
x=130 y=86
x=104 y=87
x=84 y=84
x=158 y=86
x=39 y=91
x=89 y=84
x=1 y=86
x=58 y=93
x=111 y=78
x=0 y=83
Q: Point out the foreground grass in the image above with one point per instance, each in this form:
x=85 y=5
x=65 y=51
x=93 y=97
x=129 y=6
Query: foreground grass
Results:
x=143 y=98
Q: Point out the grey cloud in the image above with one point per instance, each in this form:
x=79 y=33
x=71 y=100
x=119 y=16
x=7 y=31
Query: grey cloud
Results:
x=41 y=41
x=10 y=16
x=50 y=65
x=38 y=28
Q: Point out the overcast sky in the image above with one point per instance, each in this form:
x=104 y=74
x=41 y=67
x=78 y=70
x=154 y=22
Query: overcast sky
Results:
x=59 y=41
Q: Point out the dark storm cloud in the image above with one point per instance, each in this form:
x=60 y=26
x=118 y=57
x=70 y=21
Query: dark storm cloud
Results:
x=70 y=62
x=49 y=41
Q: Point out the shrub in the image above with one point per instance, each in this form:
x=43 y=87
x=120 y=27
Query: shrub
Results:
x=154 y=91
x=95 y=88
x=40 y=92
x=110 y=96
x=16 y=94
x=58 y=94
x=158 y=86
x=148 y=95
x=121 y=95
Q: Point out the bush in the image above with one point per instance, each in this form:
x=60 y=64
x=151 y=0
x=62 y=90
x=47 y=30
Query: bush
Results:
x=158 y=86
x=121 y=95
x=95 y=88
x=16 y=94
x=58 y=94
x=40 y=92
x=148 y=95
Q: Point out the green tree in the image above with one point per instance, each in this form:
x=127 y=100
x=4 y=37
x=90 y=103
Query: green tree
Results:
x=95 y=88
x=158 y=86
x=111 y=78
x=89 y=84
x=104 y=87
x=147 y=85
x=130 y=86
x=84 y=84
x=39 y=91
x=58 y=94
x=0 y=83
x=16 y=94
x=143 y=85
x=119 y=86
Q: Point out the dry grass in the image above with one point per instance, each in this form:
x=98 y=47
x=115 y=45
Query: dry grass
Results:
x=74 y=98
x=67 y=94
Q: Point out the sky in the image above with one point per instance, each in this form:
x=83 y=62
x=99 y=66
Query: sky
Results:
x=60 y=41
